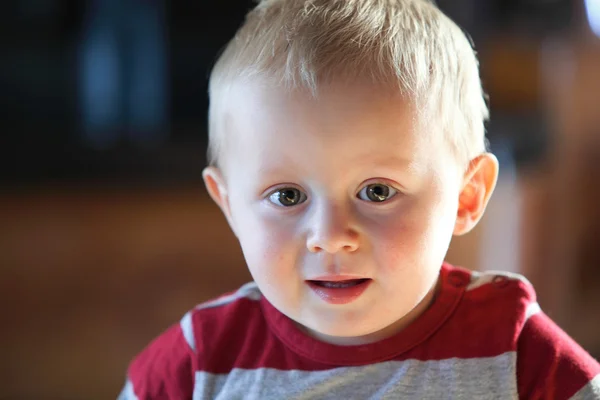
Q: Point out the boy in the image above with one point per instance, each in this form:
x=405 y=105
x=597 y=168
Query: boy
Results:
x=346 y=148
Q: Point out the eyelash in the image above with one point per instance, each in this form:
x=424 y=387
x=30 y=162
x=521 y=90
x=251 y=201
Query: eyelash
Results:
x=272 y=194
x=392 y=192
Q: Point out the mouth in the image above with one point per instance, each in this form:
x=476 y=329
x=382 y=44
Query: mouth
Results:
x=339 y=284
x=339 y=291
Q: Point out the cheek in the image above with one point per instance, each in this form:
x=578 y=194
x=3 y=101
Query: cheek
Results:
x=438 y=230
x=417 y=236
x=267 y=247
x=399 y=246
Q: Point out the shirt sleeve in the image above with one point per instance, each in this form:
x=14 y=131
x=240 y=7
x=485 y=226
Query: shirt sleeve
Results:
x=162 y=371
x=551 y=365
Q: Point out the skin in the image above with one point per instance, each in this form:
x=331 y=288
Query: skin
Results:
x=294 y=186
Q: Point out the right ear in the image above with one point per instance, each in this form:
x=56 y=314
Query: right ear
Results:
x=217 y=189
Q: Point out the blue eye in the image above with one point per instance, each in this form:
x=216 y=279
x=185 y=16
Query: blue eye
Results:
x=377 y=193
x=287 y=197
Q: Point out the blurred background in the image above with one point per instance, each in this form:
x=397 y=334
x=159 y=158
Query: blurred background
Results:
x=107 y=236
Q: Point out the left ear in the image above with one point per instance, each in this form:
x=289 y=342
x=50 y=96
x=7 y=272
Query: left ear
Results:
x=479 y=182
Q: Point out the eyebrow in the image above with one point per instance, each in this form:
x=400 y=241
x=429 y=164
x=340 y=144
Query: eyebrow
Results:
x=394 y=163
x=398 y=164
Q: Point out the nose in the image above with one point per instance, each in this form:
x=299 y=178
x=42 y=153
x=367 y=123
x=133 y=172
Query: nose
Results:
x=332 y=231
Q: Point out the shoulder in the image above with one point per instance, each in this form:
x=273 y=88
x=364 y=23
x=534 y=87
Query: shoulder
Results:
x=491 y=310
x=499 y=300
x=229 y=322
x=163 y=370
x=215 y=318
x=550 y=364
x=508 y=294
x=502 y=307
x=166 y=368
x=491 y=284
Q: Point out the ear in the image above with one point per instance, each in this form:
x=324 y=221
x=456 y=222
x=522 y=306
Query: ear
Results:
x=479 y=182
x=217 y=189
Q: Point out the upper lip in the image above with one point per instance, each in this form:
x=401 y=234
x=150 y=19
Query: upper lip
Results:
x=337 y=278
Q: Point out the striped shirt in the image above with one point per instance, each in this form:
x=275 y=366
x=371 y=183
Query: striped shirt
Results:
x=484 y=337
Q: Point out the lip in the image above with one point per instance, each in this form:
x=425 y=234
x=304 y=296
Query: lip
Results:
x=342 y=295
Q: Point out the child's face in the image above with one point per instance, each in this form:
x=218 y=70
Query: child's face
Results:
x=348 y=186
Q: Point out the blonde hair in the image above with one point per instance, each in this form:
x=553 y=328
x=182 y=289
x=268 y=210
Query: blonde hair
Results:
x=304 y=44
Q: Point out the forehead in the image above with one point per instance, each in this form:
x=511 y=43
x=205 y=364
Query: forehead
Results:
x=343 y=122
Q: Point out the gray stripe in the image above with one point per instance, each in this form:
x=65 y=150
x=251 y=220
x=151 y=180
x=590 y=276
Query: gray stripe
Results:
x=475 y=378
x=481 y=278
x=127 y=392
x=187 y=328
x=532 y=309
x=591 y=391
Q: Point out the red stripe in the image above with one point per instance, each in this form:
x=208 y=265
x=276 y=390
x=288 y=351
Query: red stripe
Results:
x=550 y=365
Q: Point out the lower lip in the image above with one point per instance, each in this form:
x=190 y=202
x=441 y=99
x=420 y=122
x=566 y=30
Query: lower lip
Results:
x=343 y=295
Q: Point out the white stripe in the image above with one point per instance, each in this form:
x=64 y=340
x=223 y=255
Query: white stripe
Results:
x=531 y=310
x=127 y=393
x=473 y=378
x=481 y=278
x=591 y=391
x=187 y=327
x=249 y=291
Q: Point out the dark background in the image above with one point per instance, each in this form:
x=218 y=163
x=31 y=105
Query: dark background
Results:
x=41 y=106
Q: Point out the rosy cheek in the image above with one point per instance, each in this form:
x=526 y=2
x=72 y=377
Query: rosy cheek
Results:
x=398 y=242
x=389 y=246
x=268 y=244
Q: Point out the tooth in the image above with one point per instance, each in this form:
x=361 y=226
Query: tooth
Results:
x=338 y=285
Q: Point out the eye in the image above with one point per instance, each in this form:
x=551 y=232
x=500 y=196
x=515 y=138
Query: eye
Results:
x=377 y=193
x=287 y=197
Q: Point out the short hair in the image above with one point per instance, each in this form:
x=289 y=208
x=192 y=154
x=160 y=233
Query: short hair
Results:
x=304 y=44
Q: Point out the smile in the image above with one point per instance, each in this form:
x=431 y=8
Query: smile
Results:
x=339 y=291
